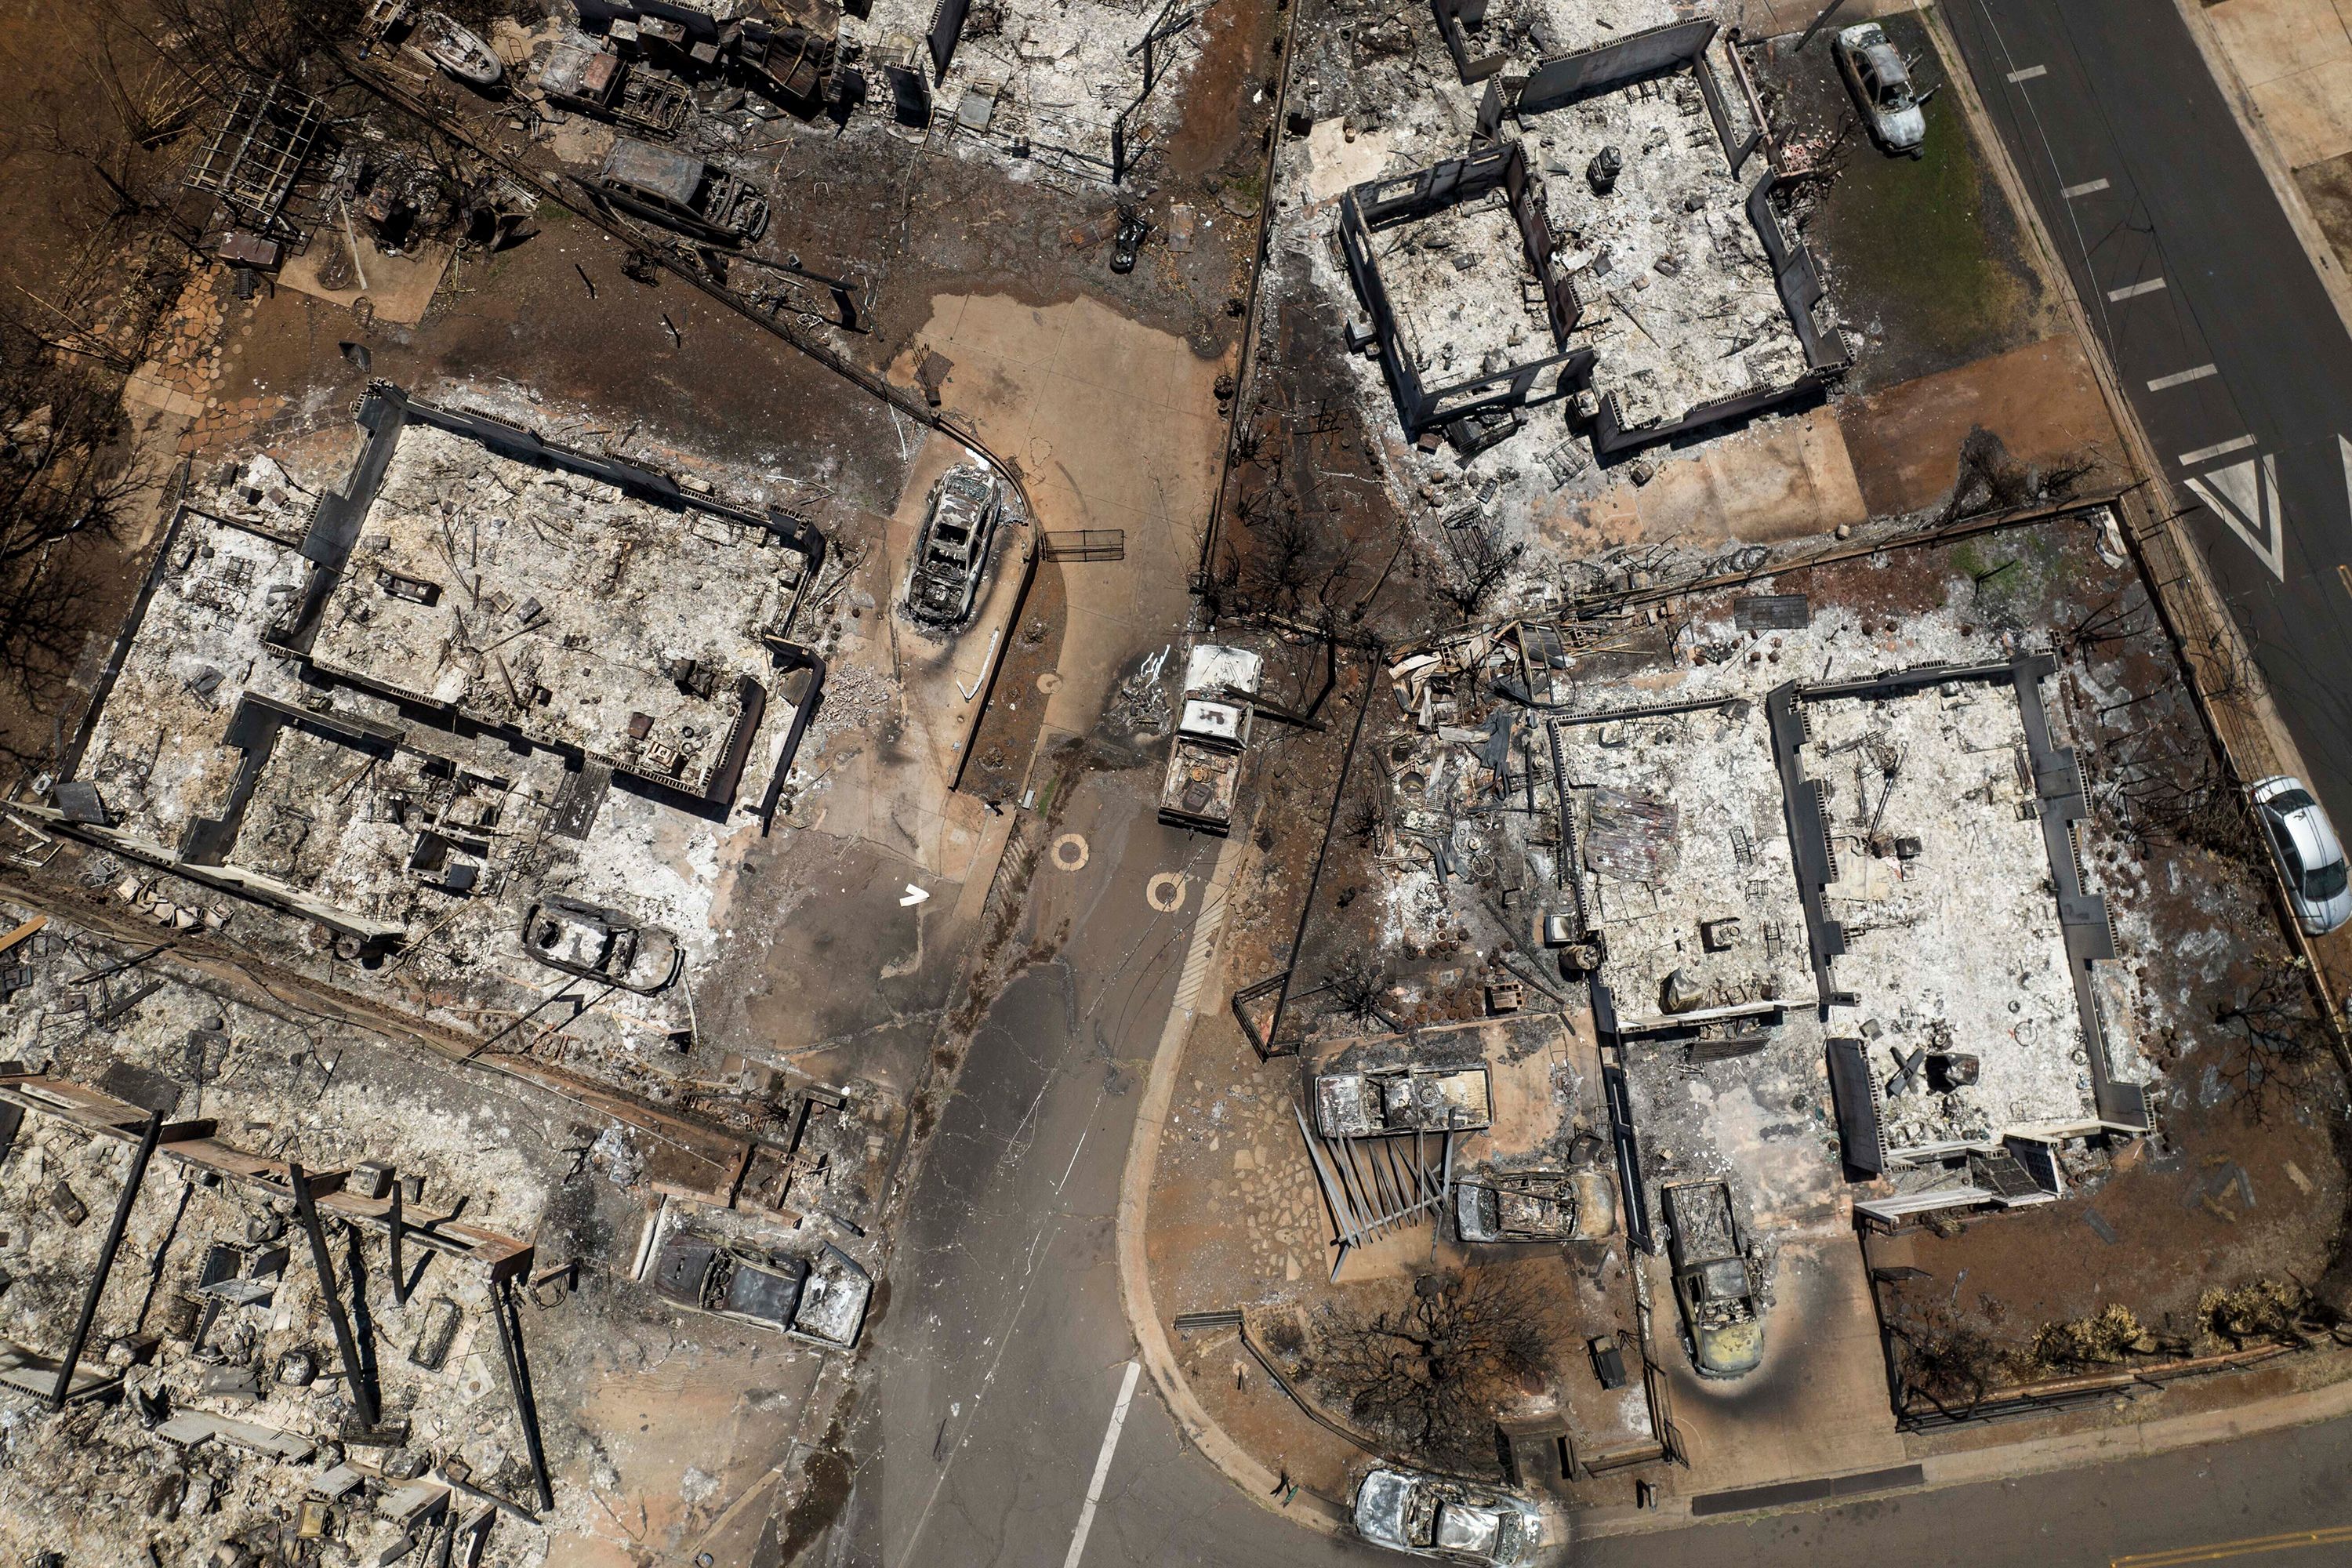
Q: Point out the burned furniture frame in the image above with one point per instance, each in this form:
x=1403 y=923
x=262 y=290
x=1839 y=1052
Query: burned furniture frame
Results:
x=1372 y=1185
x=255 y=159
x=1378 y=206
x=502 y=1257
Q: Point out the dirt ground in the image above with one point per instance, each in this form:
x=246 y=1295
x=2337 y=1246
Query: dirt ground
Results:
x=2040 y=400
x=2327 y=186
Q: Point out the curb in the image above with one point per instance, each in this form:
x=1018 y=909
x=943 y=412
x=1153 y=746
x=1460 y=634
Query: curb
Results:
x=2251 y=738
x=2034 y=1456
x=1199 y=1428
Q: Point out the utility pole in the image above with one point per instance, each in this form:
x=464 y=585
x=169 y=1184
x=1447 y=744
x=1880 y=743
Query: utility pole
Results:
x=1827 y=11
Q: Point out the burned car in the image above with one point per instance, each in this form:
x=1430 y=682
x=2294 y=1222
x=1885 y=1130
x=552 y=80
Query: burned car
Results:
x=822 y=1303
x=1388 y=1100
x=952 y=550
x=1711 y=1279
x=596 y=942
x=697 y=199
x=1536 y=1206
x=1881 y=83
x=1431 y=1516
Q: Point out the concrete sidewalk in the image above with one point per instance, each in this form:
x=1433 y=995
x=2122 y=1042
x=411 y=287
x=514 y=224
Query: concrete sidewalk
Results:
x=2285 y=67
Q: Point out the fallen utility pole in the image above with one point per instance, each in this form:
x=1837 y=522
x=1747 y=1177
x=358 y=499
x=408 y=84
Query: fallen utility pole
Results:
x=519 y=1376
x=306 y=1207
x=139 y=1156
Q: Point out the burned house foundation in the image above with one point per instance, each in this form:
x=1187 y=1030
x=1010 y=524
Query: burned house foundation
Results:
x=1677 y=298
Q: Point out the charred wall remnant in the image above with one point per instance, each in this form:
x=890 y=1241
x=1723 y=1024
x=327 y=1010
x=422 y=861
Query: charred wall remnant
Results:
x=1378 y=206
x=1455 y=20
x=1736 y=114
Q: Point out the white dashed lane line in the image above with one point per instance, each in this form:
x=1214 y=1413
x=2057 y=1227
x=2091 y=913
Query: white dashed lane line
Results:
x=2180 y=378
x=2217 y=449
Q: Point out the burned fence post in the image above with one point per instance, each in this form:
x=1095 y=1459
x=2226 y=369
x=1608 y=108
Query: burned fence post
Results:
x=519 y=1374
x=306 y=1208
x=148 y=1139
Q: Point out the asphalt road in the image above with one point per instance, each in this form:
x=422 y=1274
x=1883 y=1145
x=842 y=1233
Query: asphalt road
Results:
x=1001 y=1365
x=2227 y=344
x=2216 y=1506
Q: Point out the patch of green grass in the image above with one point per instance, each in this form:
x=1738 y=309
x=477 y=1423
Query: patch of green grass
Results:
x=1909 y=238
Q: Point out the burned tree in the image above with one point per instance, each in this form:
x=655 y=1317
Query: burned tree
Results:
x=1951 y=1364
x=64 y=487
x=1358 y=992
x=263 y=37
x=2275 y=1035
x=1477 y=565
x=1991 y=480
x=1429 y=1375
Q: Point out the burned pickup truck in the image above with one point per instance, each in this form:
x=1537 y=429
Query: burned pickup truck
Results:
x=1385 y=1101
x=1205 y=761
x=600 y=82
x=1536 y=1206
x=821 y=1301
x=699 y=200
x=1711 y=1279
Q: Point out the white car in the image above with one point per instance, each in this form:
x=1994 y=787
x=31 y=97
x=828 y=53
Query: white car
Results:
x=2310 y=856
x=1430 y=1516
x=1875 y=73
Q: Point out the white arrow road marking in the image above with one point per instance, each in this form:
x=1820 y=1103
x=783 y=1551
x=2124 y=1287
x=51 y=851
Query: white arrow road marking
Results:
x=2245 y=495
x=914 y=896
x=2345 y=448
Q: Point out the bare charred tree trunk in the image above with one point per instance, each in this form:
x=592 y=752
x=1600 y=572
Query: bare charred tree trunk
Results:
x=1430 y=1376
x=1951 y=1364
x=1478 y=567
x=2275 y=1034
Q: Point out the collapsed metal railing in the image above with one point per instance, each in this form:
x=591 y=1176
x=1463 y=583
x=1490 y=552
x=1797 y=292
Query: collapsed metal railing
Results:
x=1374 y=1186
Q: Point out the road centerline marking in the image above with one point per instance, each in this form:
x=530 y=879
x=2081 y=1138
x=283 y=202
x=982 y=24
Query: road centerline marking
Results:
x=2217 y=449
x=2027 y=74
x=1102 y=1464
x=2181 y=378
x=2331 y=1536
x=2133 y=290
x=2087 y=188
